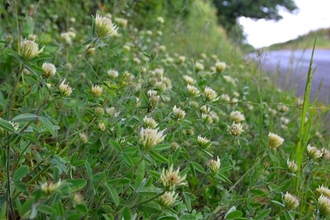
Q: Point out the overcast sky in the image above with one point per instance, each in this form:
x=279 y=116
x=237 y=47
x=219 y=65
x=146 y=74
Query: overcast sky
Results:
x=312 y=15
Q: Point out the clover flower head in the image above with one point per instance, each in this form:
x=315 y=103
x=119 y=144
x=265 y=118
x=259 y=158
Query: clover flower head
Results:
x=237 y=116
x=29 y=49
x=150 y=122
x=65 y=89
x=83 y=137
x=199 y=66
x=49 y=187
x=113 y=73
x=104 y=26
x=292 y=166
x=313 y=152
x=324 y=205
x=97 y=90
x=189 y=79
x=193 y=91
x=168 y=199
x=160 y=20
x=214 y=165
x=220 y=66
x=150 y=137
x=274 y=141
x=322 y=190
x=122 y=22
x=290 y=201
x=49 y=70
x=225 y=97
x=171 y=178
x=178 y=113
x=235 y=129
x=210 y=94
x=203 y=141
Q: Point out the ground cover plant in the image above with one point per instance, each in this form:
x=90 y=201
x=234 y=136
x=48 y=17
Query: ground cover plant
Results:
x=105 y=117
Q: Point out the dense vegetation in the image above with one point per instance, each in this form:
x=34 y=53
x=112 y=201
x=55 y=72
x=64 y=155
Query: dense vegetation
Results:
x=105 y=116
x=306 y=41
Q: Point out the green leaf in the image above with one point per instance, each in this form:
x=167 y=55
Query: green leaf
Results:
x=161 y=147
x=262 y=215
x=97 y=176
x=81 y=208
x=187 y=200
x=106 y=217
x=45 y=209
x=140 y=171
x=115 y=145
x=74 y=216
x=167 y=218
x=126 y=214
x=154 y=174
x=26 y=117
x=16 y=56
x=26 y=208
x=88 y=169
x=149 y=191
x=207 y=153
x=257 y=192
x=78 y=163
x=234 y=214
x=6 y=125
x=20 y=187
x=77 y=184
x=59 y=209
x=277 y=203
x=31 y=138
x=157 y=157
x=119 y=181
x=113 y=194
x=3 y=211
x=127 y=159
x=223 y=178
x=48 y=125
x=21 y=172
x=188 y=217
x=197 y=167
x=150 y=208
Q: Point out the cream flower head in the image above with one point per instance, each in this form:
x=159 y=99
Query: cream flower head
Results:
x=171 y=178
x=49 y=70
x=150 y=137
x=290 y=201
x=29 y=49
x=104 y=26
x=274 y=141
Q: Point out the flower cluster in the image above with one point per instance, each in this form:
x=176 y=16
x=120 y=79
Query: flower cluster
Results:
x=150 y=137
x=49 y=70
x=214 y=165
x=274 y=141
x=50 y=187
x=171 y=178
x=29 y=49
x=290 y=201
x=104 y=26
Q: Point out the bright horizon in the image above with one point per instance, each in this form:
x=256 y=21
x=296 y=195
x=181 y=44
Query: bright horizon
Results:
x=312 y=15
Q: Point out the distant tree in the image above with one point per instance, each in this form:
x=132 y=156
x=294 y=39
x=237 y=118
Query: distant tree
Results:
x=229 y=10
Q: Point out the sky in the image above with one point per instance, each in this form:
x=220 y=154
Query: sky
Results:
x=312 y=15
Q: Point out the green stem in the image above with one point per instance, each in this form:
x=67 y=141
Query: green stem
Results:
x=304 y=130
x=148 y=200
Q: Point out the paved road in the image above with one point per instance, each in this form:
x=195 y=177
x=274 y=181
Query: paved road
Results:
x=289 y=68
